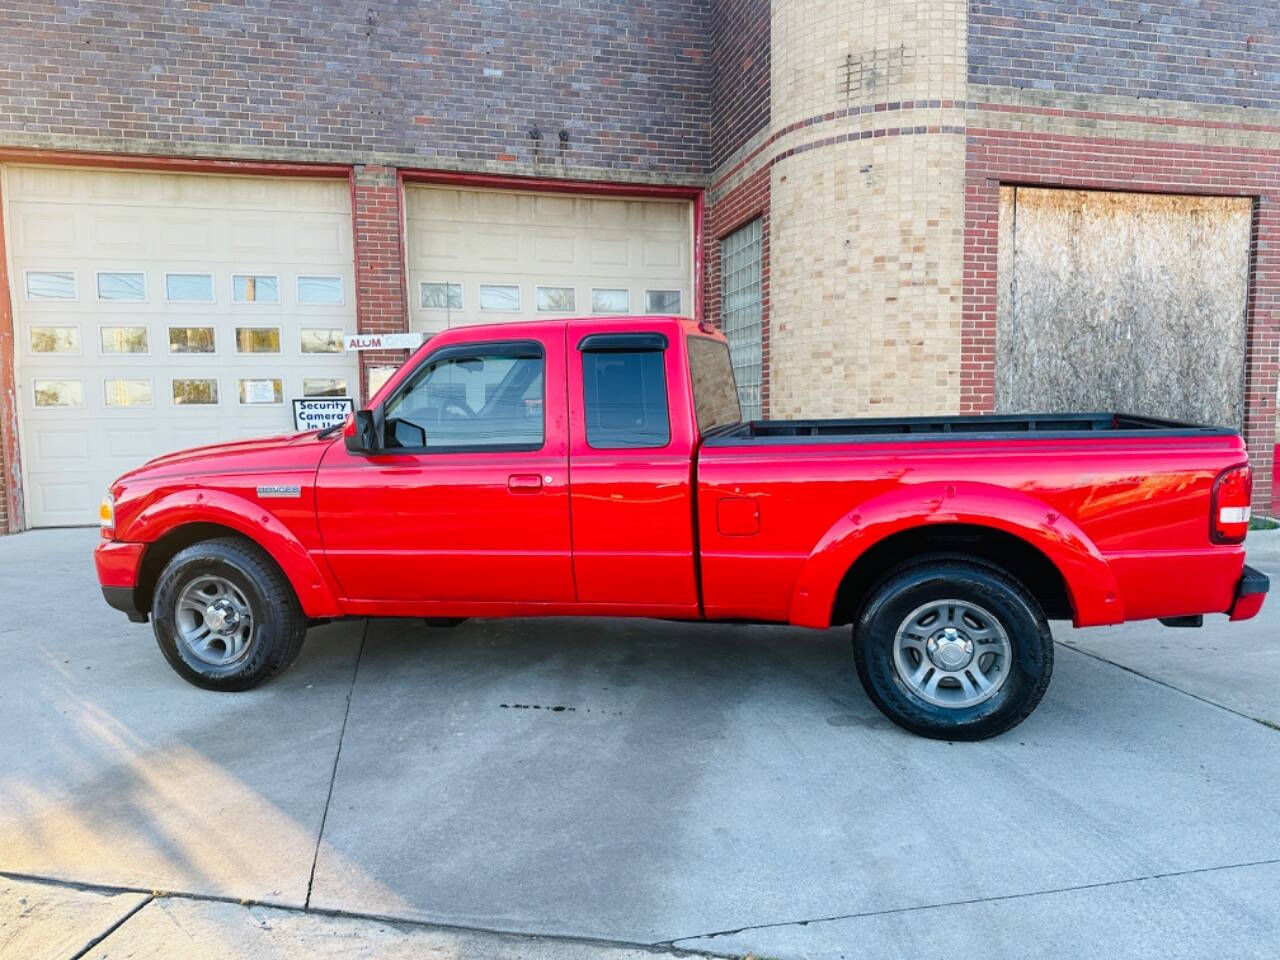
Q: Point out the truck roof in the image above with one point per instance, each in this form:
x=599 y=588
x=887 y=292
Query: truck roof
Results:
x=617 y=321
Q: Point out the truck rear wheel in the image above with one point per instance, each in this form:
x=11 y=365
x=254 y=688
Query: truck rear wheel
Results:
x=953 y=649
x=225 y=616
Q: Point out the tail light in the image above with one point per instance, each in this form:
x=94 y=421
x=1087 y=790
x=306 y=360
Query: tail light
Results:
x=1232 y=493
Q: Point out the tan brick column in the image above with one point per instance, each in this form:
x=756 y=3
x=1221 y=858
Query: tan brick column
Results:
x=867 y=205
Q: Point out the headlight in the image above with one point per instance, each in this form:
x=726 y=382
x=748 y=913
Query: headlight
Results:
x=107 y=516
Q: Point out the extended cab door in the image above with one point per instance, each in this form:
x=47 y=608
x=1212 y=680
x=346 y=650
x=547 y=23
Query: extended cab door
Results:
x=631 y=444
x=468 y=501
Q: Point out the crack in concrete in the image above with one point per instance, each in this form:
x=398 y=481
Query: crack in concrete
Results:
x=1163 y=683
x=129 y=915
x=962 y=903
x=337 y=755
x=390 y=919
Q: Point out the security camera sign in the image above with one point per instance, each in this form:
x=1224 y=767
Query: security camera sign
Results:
x=319 y=413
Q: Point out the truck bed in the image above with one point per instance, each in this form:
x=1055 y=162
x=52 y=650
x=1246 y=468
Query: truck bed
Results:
x=1043 y=426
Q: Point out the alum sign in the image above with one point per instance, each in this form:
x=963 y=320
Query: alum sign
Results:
x=382 y=341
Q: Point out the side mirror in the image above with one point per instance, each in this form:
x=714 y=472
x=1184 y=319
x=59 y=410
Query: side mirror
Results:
x=408 y=435
x=361 y=435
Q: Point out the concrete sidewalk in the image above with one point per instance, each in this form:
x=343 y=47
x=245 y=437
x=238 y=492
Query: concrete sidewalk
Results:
x=620 y=788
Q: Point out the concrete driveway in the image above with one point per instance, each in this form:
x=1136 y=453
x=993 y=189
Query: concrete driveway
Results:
x=607 y=789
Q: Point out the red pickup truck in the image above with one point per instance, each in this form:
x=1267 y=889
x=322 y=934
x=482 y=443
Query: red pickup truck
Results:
x=601 y=467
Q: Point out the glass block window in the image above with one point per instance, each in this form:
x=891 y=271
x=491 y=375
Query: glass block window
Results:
x=59 y=393
x=261 y=390
x=195 y=392
x=128 y=393
x=55 y=339
x=610 y=301
x=51 y=285
x=313 y=291
x=557 y=299
x=188 y=287
x=257 y=339
x=741 y=313
x=124 y=339
x=324 y=387
x=124 y=287
x=255 y=288
x=495 y=296
x=191 y=340
x=441 y=296
x=321 y=341
x=662 y=301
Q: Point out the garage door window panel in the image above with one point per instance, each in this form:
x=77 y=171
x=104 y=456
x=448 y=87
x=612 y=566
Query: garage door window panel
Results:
x=324 y=387
x=257 y=339
x=127 y=393
x=116 y=287
x=188 y=287
x=321 y=341
x=610 y=301
x=499 y=297
x=488 y=399
x=116 y=340
x=54 y=339
x=662 y=301
x=191 y=340
x=195 y=392
x=51 y=285
x=255 y=288
x=58 y=393
x=557 y=300
x=320 y=291
x=260 y=390
x=440 y=296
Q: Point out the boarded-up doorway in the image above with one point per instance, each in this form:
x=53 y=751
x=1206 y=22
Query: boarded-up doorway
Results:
x=1122 y=301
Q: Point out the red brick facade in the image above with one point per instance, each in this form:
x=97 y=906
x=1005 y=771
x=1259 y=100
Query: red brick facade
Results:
x=1040 y=159
x=726 y=213
x=378 y=224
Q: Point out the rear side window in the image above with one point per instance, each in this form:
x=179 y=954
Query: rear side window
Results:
x=625 y=399
x=715 y=396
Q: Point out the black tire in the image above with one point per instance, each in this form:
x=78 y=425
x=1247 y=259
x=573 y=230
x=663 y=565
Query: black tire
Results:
x=276 y=630
x=908 y=588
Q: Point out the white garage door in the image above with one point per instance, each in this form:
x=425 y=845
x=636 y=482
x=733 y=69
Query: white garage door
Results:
x=158 y=311
x=484 y=256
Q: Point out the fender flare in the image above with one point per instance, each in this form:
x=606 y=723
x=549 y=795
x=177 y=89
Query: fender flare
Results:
x=1091 y=585
x=315 y=591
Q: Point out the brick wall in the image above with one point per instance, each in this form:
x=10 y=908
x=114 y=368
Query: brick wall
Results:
x=740 y=57
x=1041 y=157
x=436 y=84
x=376 y=220
x=1225 y=52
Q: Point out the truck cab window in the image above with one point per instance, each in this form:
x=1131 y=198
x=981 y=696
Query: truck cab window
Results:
x=715 y=396
x=625 y=399
x=482 y=400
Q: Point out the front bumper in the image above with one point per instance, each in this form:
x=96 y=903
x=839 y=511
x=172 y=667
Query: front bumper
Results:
x=118 y=564
x=1251 y=591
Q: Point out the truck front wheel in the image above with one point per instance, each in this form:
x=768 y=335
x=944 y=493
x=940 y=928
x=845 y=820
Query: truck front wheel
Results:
x=225 y=616
x=953 y=649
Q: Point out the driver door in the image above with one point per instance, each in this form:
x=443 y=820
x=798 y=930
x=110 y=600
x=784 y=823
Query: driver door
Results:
x=466 y=505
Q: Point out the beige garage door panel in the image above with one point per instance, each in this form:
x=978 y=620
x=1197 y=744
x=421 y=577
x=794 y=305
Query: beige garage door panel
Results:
x=120 y=406
x=513 y=238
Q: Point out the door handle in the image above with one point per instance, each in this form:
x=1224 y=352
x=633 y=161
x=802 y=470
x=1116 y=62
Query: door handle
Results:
x=524 y=482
